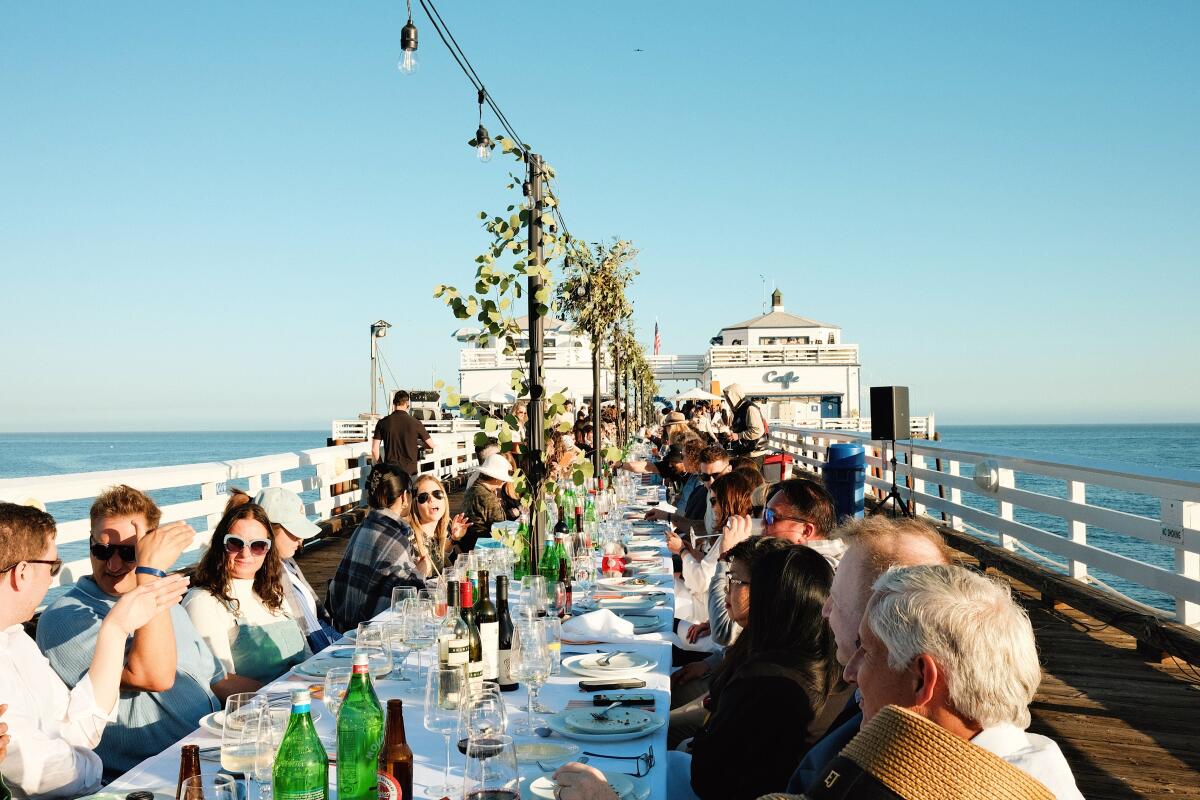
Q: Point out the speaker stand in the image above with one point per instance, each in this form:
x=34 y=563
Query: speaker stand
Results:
x=893 y=495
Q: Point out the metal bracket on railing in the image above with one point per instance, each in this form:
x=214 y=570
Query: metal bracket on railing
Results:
x=987 y=475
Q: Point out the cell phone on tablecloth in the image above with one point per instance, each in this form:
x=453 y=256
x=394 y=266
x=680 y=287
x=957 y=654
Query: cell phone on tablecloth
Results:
x=623 y=699
x=608 y=686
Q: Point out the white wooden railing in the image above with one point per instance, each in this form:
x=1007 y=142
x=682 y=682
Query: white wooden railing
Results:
x=941 y=476
x=207 y=484
x=351 y=430
x=918 y=427
x=494 y=357
x=805 y=354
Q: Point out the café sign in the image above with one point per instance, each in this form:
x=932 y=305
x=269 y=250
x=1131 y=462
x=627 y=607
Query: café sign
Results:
x=787 y=378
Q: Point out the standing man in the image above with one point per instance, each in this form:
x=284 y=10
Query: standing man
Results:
x=748 y=426
x=402 y=437
x=170 y=679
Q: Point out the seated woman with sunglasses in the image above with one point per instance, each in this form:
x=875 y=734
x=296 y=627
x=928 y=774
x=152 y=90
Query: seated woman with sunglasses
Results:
x=380 y=555
x=435 y=532
x=237 y=599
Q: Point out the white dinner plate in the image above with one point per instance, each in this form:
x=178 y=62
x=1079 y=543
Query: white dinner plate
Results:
x=541 y=787
x=634 y=602
x=619 y=720
x=553 y=753
x=621 y=667
x=215 y=722
x=556 y=723
x=317 y=666
x=645 y=623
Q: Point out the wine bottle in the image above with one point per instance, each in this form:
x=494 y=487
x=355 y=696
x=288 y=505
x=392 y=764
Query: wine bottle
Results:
x=301 y=769
x=359 y=736
x=508 y=683
x=564 y=577
x=475 y=644
x=489 y=628
x=396 y=757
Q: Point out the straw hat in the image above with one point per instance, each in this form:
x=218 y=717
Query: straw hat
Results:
x=674 y=417
x=899 y=755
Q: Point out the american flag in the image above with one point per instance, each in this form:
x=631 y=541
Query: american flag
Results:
x=657 y=339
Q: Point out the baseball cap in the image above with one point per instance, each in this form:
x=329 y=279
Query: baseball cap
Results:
x=285 y=508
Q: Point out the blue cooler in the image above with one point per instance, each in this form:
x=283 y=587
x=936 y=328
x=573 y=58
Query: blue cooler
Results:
x=845 y=473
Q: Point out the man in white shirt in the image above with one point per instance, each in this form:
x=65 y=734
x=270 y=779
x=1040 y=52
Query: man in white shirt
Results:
x=54 y=729
x=952 y=645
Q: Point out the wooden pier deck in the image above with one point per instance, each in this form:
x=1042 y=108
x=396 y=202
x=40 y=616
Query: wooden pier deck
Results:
x=1128 y=724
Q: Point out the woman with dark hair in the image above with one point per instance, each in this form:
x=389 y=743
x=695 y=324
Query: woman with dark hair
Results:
x=380 y=555
x=775 y=678
x=237 y=599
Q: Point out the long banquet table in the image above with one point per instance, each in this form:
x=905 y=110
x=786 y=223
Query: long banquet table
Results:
x=159 y=773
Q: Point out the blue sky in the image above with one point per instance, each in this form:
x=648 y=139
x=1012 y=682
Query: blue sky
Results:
x=203 y=206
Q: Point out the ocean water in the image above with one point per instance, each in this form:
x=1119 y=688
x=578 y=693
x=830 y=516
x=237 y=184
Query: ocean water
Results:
x=1175 y=447
x=1159 y=446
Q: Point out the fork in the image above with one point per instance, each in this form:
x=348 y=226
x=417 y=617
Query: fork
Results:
x=604 y=661
x=599 y=715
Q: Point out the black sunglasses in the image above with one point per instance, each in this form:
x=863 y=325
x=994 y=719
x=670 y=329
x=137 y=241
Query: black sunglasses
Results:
x=104 y=552
x=235 y=544
x=423 y=497
x=55 y=566
x=770 y=517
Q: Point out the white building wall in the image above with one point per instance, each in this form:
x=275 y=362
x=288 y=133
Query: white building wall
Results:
x=577 y=381
x=810 y=381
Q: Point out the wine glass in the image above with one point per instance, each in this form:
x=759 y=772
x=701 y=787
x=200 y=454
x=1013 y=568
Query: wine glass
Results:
x=483 y=714
x=445 y=690
x=337 y=680
x=533 y=596
x=532 y=661
x=400 y=594
x=424 y=632
x=370 y=639
x=213 y=786
x=239 y=732
x=584 y=570
x=272 y=724
x=558 y=600
x=491 y=770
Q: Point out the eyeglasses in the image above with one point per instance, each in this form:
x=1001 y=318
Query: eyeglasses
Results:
x=55 y=566
x=104 y=552
x=645 y=762
x=771 y=516
x=732 y=581
x=236 y=544
x=438 y=494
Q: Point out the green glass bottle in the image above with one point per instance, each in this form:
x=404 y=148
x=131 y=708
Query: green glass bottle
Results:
x=301 y=769
x=359 y=736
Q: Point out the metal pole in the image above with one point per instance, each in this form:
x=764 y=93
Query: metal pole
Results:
x=625 y=413
x=597 y=417
x=373 y=357
x=535 y=434
x=616 y=389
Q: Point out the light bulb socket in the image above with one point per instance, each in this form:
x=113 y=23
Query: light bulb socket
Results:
x=408 y=36
x=481 y=138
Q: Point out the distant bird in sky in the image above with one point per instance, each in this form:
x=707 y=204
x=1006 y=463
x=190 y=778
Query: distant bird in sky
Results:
x=638 y=50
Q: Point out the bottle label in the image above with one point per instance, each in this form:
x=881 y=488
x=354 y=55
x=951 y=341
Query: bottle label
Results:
x=458 y=652
x=443 y=645
x=505 y=668
x=302 y=794
x=475 y=674
x=489 y=637
x=360 y=669
x=389 y=788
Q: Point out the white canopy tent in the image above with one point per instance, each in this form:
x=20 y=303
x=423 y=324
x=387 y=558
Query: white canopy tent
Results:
x=696 y=394
x=500 y=394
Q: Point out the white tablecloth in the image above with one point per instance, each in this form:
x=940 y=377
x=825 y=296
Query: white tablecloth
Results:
x=160 y=772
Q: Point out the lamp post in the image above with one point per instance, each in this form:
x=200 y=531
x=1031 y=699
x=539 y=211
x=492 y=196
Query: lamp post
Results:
x=378 y=331
x=535 y=433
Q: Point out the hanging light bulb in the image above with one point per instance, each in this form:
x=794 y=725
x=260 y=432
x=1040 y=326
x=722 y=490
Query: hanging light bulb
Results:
x=408 y=44
x=482 y=141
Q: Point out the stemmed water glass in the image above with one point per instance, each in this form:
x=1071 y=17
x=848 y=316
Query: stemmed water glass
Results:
x=337 y=680
x=532 y=661
x=445 y=690
x=272 y=724
x=425 y=625
x=533 y=596
x=491 y=770
x=211 y=786
x=371 y=640
x=584 y=570
x=239 y=732
x=400 y=594
x=397 y=634
x=552 y=630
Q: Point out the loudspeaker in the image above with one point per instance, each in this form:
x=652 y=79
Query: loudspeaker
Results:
x=889 y=413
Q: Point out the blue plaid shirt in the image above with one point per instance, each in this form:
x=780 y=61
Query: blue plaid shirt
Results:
x=378 y=558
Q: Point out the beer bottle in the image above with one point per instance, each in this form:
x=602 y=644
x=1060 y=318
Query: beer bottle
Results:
x=396 y=757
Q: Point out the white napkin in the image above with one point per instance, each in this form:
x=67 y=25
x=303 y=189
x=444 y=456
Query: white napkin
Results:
x=598 y=626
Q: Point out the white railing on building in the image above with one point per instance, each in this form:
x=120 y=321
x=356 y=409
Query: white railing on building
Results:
x=838 y=355
x=495 y=358
x=330 y=467
x=941 y=476
x=678 y=367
